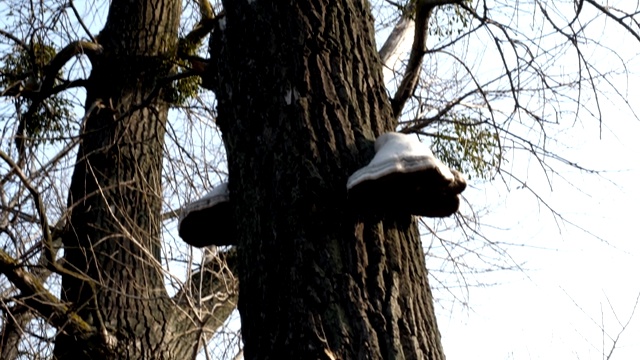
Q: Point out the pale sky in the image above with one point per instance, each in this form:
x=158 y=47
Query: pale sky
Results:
x=577 y=287
x=575 y=283
x=572 y=283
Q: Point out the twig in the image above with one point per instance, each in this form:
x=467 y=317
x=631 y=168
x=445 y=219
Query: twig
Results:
x=418 y=50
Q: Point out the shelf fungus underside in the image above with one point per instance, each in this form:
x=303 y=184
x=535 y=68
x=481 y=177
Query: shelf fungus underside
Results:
x=209 y=220
x=405 y=177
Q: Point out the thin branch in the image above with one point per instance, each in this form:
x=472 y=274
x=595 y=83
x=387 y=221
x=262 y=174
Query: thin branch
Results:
x=15 y=40
x=623 y=326
x=210 y=295
x=79 y=18
x=620 y=21
x=19 y=316
x=16 y=319
x=37 y=200
x=41 y=300
x=418 y=50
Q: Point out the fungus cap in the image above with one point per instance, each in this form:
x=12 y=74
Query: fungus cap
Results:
x=404 y=177
x=399 y=153
x=208 y=220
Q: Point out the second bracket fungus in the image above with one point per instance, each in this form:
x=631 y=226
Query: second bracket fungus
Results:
x=405 y=177
x=209 y=220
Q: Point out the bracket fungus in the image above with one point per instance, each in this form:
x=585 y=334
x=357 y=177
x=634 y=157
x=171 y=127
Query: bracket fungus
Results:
x=405 y=177
x=209 y=220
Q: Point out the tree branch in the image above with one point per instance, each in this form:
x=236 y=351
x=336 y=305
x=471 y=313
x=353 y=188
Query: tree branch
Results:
x=19 y=316
x=15 y=40
x=46 y=88
x=620 y=21
x=418 y=50
x=189 y=44
x=390 y=51
x=34 y=295
x=209 y=296
x=79 y=18
x=37 y=200
x=15 y=321
x=91 y=49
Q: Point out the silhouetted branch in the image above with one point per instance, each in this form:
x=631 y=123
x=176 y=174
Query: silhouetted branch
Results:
x=210 y=295
x=37 y=297
x=418 y=50
x=15 y=40
x=619 y=20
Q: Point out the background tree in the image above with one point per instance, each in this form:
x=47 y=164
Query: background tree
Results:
x=298 y=104
x=113 y=302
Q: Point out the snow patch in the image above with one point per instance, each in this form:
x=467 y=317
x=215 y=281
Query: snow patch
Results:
x=399 y=153
x=219 y=194
x=209 y=220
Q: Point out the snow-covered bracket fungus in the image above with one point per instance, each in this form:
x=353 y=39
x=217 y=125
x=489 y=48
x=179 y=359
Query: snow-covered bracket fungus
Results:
x=405 y=177
x=209 y=220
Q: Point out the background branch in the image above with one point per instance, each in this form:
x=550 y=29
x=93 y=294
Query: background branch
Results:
x=209 y=296
x=418 y=50
x=34 y=295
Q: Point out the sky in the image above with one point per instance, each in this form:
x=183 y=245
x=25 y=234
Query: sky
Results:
x=576 y=289
x=575 y=280
x=569 y=291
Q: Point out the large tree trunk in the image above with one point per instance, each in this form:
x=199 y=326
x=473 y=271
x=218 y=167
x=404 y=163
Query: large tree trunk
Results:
x=300 y=100
x=112 y=246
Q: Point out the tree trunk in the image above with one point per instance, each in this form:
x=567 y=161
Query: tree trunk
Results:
x=300 y=101
x=112 y=247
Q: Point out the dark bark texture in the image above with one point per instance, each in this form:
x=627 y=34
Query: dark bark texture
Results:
x=300 y=101
x=114 y=234
x=113 y=276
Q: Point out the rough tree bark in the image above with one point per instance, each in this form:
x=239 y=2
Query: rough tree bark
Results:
x=113 y=276
x=114 y=233
x=300 y=103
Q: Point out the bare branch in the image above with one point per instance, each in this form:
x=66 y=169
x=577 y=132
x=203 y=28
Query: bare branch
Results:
x=19 y=315
x=46 y=87
x=619 y=20
x=79 y=18
x=75 y=48
x=15 y=39
x=15 y=320
x=623 y=326
x=210 y=295
x=37 y=200
x=41 y=300
x=418 y=50
x=389 y=51
x=193 y=39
